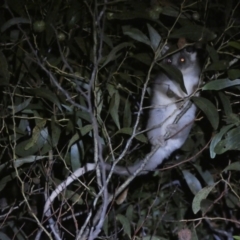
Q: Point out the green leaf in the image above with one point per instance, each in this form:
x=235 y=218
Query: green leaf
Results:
x=234 y=44
x=46 y=94
x=113 y=109
x=125 y=223
x=136 y=34
x=217 y=138
x=14 y=21
x=21 y=106
x=29 y=159
x=174 y=74
x=209 y=110
x=55 y=132
x=155 y=38
x=23 y=150
x=220 y=84
x=205 y=174
x=75 y=157
x=233 y=73
x=236 y=237
x=4 y=236
x=192 y=182
x=231 y=141
x=218 y=66
x=128 y=131
x=232 y=167
x=202 y=194
x=194 y=33
x=112 y=55
x=212 y=53
x=226 y=103
x=127 y=117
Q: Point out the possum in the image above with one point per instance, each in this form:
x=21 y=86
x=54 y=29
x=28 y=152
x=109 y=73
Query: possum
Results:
x=167 y=101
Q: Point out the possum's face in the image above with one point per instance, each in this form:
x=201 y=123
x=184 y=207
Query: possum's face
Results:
x=185 y=60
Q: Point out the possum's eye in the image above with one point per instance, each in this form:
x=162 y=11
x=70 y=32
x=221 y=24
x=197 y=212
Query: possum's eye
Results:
x=182 y=60
x=168 y=60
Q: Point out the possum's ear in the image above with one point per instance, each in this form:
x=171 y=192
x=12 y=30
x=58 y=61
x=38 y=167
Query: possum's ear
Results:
x=165 y=48
x=181 y=42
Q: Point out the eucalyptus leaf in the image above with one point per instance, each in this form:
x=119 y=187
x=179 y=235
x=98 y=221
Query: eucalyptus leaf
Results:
x=113 y=109
x=136 y=34
x=29 y=159
x=46 y=94
x=75 y=157
x=233 y=74
x=231 y=141
x=220 y=84
x=232 y=167
x=194 y=33
x=202 y=194
x=209 y=110
x=234 y=44
x=125 y=224
x=112 y=55
x=128 y=131
x=155 y=38
x=21 y=106
x=192 y=182
x=218 y=66
x=217 y=138
x=174 y=74
x=14 y=21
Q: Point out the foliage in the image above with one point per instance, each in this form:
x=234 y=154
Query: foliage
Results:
x=75 y=79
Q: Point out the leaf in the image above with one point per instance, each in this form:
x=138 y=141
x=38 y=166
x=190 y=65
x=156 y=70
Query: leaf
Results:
x=37 y=131
x=21 y=106
x=55 y=132
x=233 y=166
x=41 y=141
x=86 y=129
x=155 y=38
x=136 y=34
x=212 y=53
x=125 y=223
x=127 y=117
x=217 y=138
x=174 y=74
x=192 y=182
x=236 y=237
x=113 y=109
x=112 y=55
x=4 y=73
x=194 y=33
x=226 y=103
x=4 y=236
x=151 y=237
x=46 y=94
x=205 y=174
x=202 y=194
x=233 y=73
x=14 y=21
x=231 y=142
x=29 y=159
x=128 y=131
x=218 y=66
x=209 y=110
x=75 y=157
x=220 y=84
x=234 y=44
